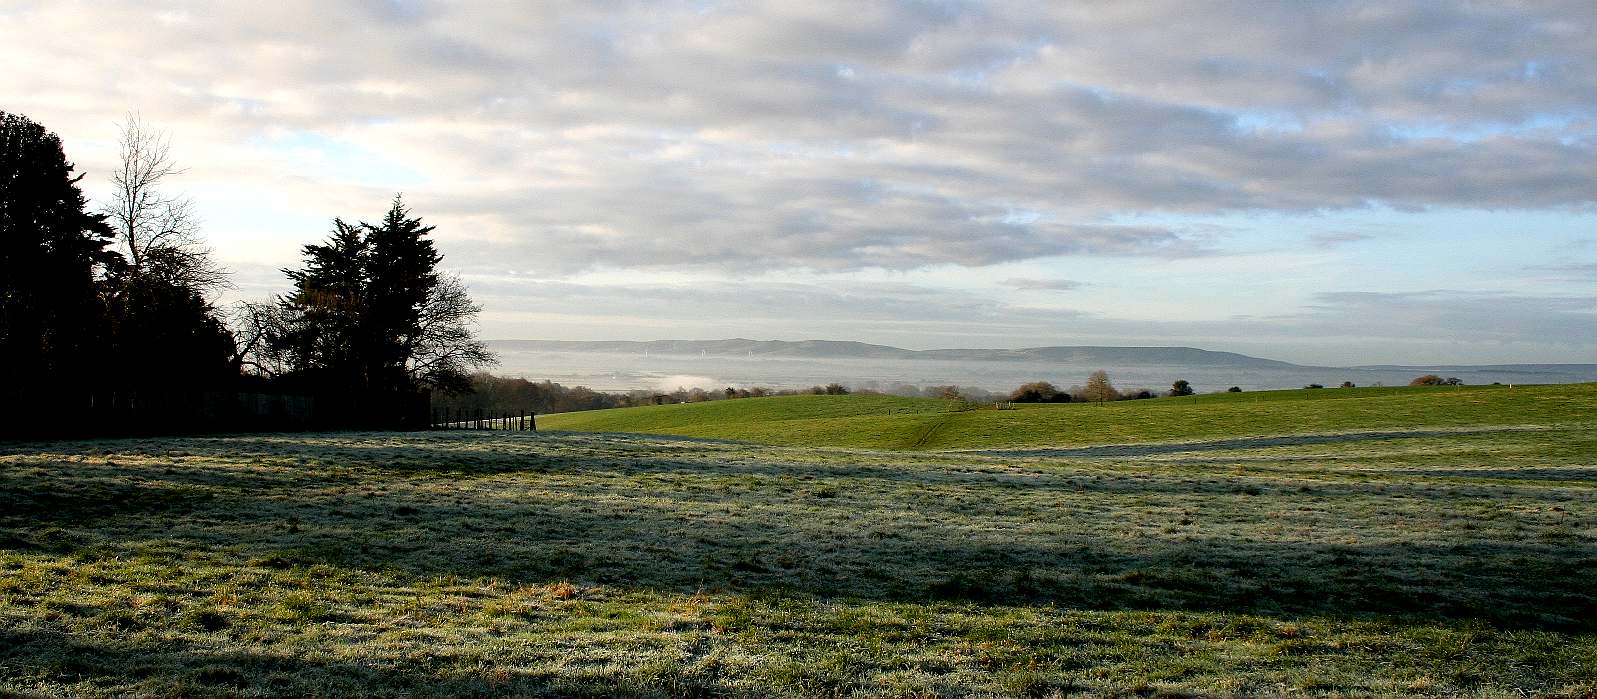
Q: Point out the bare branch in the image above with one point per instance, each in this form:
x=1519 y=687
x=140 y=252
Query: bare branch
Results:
x=158 y=233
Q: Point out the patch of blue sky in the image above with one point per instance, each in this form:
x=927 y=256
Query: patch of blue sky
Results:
x=1563 y=124
x=341 y=161
x=1461 y=249
x=1021 y=217
x=1248 y=122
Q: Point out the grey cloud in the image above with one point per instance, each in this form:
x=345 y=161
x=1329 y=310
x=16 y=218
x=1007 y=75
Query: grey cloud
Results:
x=1045 y=284
x=846 y=305
x=1572 y=272
x=1459 y=316
x=1326 y=241
x=833 y=135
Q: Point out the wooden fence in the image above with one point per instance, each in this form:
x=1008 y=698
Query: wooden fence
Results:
x=479 y=419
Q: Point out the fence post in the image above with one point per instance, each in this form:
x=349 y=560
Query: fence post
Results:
x=532 y=419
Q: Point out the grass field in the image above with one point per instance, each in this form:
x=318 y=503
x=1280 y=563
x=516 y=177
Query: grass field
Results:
x=1425 y=543
x=887 y=422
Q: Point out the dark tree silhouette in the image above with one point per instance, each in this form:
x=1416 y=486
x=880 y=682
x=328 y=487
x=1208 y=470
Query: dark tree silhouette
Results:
x=319 y=333
x=401 y=278
x=370 y=312
x=51 y=250
x=165 y=335
x=1181 y=388
x=1039 y=392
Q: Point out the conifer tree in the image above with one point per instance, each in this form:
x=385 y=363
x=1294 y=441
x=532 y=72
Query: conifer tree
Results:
x=371 y=312
x=51 y=251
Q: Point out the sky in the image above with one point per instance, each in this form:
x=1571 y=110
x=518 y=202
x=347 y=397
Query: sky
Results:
x=1318 y=182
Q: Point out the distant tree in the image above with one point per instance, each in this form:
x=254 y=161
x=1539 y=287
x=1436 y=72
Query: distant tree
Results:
x=1181 y=388
x=836 y=389
x=1234 y=389
x=1315 y=385
x=1347 y=384
x=945 y=392
x=1427 y=380
x=51 y=251
x=1099 y=389
x=1453 y=381
x=1036 y=392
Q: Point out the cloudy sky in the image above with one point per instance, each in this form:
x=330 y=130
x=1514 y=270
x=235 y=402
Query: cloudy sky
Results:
x=1329 y=182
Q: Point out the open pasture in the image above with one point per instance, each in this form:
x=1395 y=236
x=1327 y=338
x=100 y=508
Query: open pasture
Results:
x=1455 y=559
x=889 y=422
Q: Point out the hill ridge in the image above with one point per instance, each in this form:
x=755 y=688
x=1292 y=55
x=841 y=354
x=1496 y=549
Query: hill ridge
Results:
x=743 y=347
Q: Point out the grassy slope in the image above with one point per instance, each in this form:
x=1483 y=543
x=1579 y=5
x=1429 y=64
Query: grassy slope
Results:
x=492 y=564
x=865 y=421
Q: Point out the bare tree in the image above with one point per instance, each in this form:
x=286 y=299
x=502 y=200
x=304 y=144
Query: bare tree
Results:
x=157 y=232
x=259 y=329
x=1099 y=389
x=443 y=352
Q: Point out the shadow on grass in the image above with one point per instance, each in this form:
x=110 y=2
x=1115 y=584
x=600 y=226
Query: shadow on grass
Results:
x=1135 y=450
x=798 y=528
x=178 y=668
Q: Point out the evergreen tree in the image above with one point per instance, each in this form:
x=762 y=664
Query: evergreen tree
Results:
x=51 y=250
x=401 y=275
x=325 y=313
x=370 y=312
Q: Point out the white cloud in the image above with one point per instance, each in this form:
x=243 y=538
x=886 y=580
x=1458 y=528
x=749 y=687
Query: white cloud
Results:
x=556 y=138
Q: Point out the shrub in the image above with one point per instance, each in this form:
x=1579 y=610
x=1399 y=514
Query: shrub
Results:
x=1036 y=392
x=1347 y=384
x=1234 y=389
x=1315 y=385
x=1181 y=388
x=1426 y=380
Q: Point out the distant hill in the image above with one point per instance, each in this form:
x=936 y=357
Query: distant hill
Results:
x=838 y=349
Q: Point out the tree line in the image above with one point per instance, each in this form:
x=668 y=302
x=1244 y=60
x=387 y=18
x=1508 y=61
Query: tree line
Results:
x=121 y=298
x=502 y=394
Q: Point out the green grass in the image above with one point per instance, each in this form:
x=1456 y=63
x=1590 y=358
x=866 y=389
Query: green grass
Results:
x=1419 y=562
x=884 y=422
x=1371 y=542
